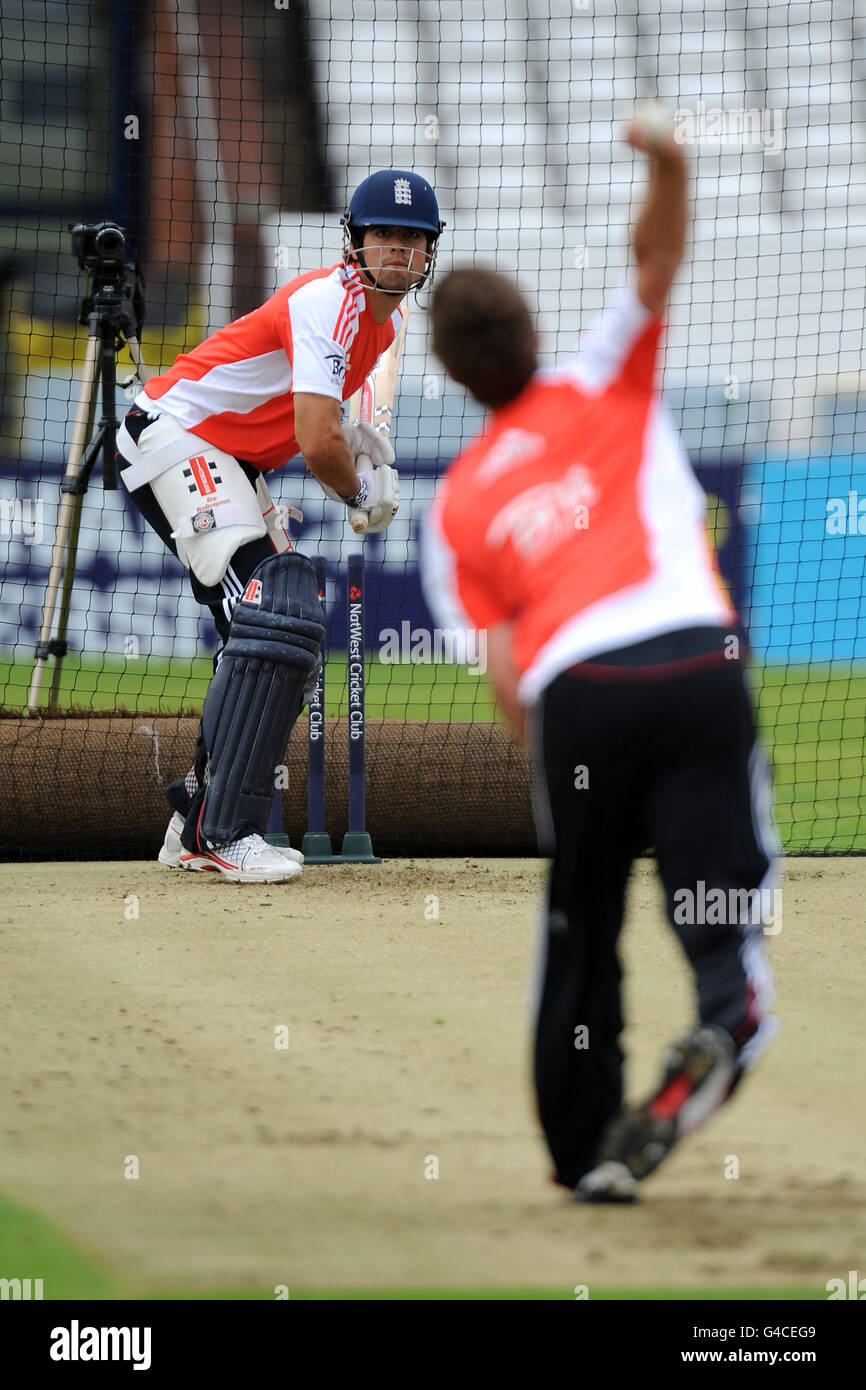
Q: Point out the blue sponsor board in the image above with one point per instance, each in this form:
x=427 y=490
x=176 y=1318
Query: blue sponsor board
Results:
x=807 y=592
x=128 y=586
x=791 y=538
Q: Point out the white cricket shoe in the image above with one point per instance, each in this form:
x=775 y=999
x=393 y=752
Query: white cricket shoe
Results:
x=174 y=856
x=172 y=849
x=250 y=860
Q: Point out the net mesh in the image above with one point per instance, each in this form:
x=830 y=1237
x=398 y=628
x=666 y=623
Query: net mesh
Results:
x=227 y=138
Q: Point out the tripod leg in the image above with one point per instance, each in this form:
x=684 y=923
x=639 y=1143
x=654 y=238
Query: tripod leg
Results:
x=68 y=518
x=77 y=501
x=104 y=442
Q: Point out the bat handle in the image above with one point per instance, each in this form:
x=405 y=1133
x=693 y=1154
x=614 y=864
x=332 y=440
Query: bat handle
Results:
x=359 y=524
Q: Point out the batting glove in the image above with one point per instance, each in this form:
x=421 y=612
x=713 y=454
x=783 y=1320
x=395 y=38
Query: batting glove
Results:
x=378 y=498
x=365 y=440
x=379 y=494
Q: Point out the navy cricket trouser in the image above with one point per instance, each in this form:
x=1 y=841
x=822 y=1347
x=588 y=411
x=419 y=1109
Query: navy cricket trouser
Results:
x=670 y=761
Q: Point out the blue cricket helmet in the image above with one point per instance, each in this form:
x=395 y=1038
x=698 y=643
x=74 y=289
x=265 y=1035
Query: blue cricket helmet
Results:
x=393 y=198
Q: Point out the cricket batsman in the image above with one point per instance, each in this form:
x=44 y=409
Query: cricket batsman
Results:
x=194 y=452
x=574 y=531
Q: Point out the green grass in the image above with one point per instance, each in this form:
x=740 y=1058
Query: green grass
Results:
x=813 y=724
x=102 y=683
x=31 y=1248
x=811 y=718
x=164 y=686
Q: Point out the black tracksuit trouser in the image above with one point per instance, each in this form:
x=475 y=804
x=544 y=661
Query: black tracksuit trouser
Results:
x=630 y=758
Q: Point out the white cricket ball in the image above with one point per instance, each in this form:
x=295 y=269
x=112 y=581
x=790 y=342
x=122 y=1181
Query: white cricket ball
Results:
x=655 y=122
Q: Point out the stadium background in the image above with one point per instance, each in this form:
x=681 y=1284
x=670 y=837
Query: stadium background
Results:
x=251 y=123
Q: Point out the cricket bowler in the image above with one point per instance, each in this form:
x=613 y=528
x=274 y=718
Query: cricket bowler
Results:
x=574 y=532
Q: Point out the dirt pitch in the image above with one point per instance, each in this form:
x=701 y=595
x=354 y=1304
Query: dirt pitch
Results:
x=408 y=1039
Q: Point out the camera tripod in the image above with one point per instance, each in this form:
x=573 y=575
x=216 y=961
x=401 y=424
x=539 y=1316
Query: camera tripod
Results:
x=111 y=325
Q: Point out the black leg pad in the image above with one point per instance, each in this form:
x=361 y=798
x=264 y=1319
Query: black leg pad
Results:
x=277 y=631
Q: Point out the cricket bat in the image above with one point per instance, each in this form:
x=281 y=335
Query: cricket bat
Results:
x=374 y=403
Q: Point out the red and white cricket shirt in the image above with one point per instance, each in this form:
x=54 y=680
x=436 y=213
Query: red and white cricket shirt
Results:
x=234 y=390
x=576 y=513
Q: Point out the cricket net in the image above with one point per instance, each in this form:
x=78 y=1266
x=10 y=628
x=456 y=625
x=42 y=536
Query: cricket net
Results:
x=227 y=136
